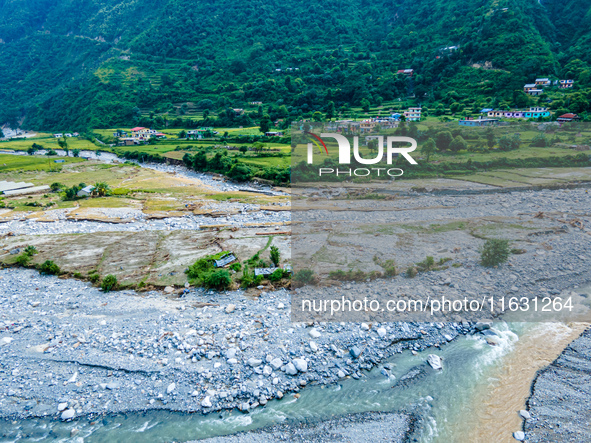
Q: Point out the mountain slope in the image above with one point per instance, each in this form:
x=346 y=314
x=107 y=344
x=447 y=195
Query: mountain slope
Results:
x=96 y=63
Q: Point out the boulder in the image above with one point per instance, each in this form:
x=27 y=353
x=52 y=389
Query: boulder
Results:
x=68 y=414
x=290 y=369
x=355 y=352
x=206 y=403
x=435 y=361
x=301 y=364
x=230 y=308
x=519 y=435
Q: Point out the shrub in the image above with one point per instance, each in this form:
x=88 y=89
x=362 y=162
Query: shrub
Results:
x=304 y=276
x=78 y=275
x=278 y=274
x=411 y=272
x=94 y=277
x=23 y=259
x=56 y=186
x=236 y=267
x=48 y=267
x=275 y=255
x=219 y=280
x=31 y=250
x=108 y=283
x=427 y=264
x=494 y=252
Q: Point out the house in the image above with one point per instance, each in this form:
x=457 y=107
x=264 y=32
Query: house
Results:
x=486 y=110
x=274 y=134
x=479 y=122
x=58 y=135
x=142 y=133
x=128 y=141
x=407 y=72
x=238 y=111
x=533 y=112
x=75 y=134
x=256 y=103
x=367 y=125
x=543 y=82
x=85 y=192
x=59 y=161
x=160 y=135
x=224 y=260
x=532 y=89
x=413 y=114
x=565 y=84
x=67 y=134
x=119 y=133
x=568 y=118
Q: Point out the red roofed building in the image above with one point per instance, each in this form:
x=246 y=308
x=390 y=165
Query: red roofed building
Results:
x=408 y=72
x=568 y=117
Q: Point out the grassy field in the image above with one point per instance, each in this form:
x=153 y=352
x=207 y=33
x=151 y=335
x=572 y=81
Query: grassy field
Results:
x=10 y=163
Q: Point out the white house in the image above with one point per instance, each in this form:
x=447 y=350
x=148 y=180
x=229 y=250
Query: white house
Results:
x=85 y=192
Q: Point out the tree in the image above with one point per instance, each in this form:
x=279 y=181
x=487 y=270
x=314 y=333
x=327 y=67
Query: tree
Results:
x=275 y=255
x=330 y=110
x=490 y=137
x=429 y=148
x=183 y=134
x=265 y=124
x=101 y=189
x=365 y=105
x=1 y=133
x=63 y=143
x=509 y=142
x=442 y=140
x=458 y=144
x=494 y=252
x=76 y=152
x=244 y=149
x=372 y=145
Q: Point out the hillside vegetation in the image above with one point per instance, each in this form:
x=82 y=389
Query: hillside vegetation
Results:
x=106 y=63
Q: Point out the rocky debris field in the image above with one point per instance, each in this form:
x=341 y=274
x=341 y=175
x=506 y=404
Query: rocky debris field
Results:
x=558 y=409
x=67 y=349
x=136 y=221
x=352 y=428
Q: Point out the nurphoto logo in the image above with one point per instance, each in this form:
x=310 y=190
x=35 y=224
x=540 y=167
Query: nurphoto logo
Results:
x=393 y=148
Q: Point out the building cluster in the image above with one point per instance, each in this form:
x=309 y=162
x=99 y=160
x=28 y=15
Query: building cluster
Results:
x=67 y=134
x=537 y=88
x=139 y=135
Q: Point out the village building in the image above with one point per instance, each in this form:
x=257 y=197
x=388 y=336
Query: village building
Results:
x=543 y=82
x=533 y=112
x=532 y=89
x=407 y=72
x=568 y=118
x=566 y=84
x=85 y=192
x=413 y=114
x=479 y=122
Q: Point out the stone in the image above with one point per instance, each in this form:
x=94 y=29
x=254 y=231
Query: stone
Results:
x=169 y=289
x=62 y=406
x=519 y=435
x=171 y=387
x=364 y=327
x=68 y=414
x=112 y=385
x=301 y=364
x=355 y=352
x=313 y=346
x=254 y=362
x=290 y=369
x=267 y=370
x=5 y=340
x=382 y=332
x=280 y=306
x=206 y=403
x=435 y=361
x=232 y=361
x=314 y=333
x=276 y=363
x=230 y=308
x=524 y=414
x=340 y=374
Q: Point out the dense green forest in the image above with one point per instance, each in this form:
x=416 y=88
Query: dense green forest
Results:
x=108 y=63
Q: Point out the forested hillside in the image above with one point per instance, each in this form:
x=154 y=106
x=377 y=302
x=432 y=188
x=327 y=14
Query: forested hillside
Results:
x=104 y=63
